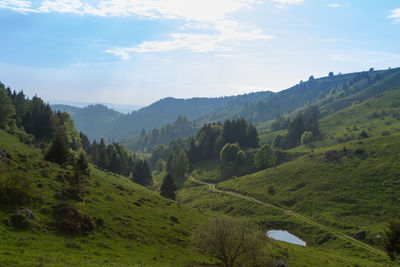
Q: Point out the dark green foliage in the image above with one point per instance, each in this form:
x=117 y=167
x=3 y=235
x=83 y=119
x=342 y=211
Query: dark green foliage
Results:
x=241 y=157
x=168 y=187
x=212 y=137
x=229 y=152
x=363 y=134
x=81 y=165
x=113 y=157
x=85 y=142
x=17 y=190
x=181 y=128
x=159 y=152
x=58 y=151
x=265 y=157
x=240 y=131
x=295 y=130
x=178 y=165
x=39 y=120
x=307 y=137
x=7 y=110
x=98 y=121
x=280 y=123
x=207 y=144
x=141 y=173
x=160 y=165
x=392 y=239
x=81 y=172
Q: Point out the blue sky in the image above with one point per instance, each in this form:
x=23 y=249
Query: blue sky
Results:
x=138 y=51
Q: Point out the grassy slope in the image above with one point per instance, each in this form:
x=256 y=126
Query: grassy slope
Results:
x=323 y=248
x=351 y=193
x=131 y=234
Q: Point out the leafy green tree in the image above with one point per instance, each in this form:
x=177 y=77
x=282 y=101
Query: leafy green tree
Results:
x=229 y=151
x=295 y=130
x=265 y=157
x=307 y=137
x=58 y=151
x=392 y=239
x=160 y=165
x=241 y=157
x=7 y=110
x=233 y=241
x=178 y=165
x=168 y=187
x=279 y=141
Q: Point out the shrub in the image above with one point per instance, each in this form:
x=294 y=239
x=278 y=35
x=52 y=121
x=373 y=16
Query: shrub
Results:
x=228 y=152
x=331 y=155
x=70 y=220
x=392 y=239
x=17 y=190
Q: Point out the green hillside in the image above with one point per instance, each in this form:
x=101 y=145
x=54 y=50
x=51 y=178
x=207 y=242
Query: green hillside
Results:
x=138 y=225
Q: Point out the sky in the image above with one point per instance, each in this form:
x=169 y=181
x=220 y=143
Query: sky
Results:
x=139 y=51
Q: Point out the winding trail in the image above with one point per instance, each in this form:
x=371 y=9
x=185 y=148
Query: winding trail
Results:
x=291 y=213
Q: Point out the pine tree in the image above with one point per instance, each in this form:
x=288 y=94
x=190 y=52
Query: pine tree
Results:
x=7 y=110
x=82 y=165
x=168 y=187
x=141 y=173
x=81 y=171
x=178 y=164
x=58 y=151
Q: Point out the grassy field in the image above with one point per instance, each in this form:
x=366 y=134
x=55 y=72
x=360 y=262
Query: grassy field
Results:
x=356 y=190
x=140 y=227
x=322 y=247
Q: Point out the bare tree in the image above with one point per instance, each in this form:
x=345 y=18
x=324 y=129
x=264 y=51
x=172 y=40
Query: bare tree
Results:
x=233 y=241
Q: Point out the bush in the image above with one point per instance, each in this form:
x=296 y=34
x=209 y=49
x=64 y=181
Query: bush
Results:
x=228 y=152
x=392 y=239
x=17 y=190
x=70 y=220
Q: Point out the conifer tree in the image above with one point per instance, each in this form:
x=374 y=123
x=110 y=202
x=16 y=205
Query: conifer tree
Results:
x=7 y=110
x=58 y=151
x=168 y=187
x=141 y=173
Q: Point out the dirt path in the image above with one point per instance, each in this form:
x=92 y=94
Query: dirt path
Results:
x=291 y=213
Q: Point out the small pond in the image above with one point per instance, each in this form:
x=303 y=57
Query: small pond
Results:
x=285 y=236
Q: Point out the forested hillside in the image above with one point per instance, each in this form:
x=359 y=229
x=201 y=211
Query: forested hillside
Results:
x=98 y=121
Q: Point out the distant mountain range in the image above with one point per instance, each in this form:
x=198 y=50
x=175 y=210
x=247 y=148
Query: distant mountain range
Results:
x=122 y=108
x=330 y=94
x=99 y=121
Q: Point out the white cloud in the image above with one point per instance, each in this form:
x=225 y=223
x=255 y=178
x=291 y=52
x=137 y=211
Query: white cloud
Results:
x=336 y=5
x=207 y=25
x=286 y=3
x=395 y=15
x=22 y=6
x=191 y=42
x=336 y=40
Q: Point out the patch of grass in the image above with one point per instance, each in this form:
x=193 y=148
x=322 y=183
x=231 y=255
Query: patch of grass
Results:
x=136 y=223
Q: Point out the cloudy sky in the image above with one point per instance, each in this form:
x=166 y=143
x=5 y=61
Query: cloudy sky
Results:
x=138 y=51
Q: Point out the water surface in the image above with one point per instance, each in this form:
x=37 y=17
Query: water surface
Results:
x=285 y=236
